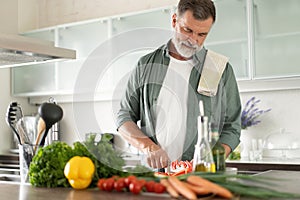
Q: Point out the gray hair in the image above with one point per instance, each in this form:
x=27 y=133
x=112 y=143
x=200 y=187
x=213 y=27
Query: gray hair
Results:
x=202 y=9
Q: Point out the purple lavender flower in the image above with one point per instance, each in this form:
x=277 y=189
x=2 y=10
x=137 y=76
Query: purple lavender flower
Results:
x=250 y=113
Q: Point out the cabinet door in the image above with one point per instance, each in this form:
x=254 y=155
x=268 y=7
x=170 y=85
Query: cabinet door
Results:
x=154 y=19
x=119 y=69
x=277 y=38
x=228 y=35
x=30 y=80
x=84 y=38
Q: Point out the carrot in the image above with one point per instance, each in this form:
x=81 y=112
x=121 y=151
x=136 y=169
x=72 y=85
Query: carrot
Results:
x=180 y=172
x=197 y=189
x=181 y=188
x=214 y=188
x=170 y=189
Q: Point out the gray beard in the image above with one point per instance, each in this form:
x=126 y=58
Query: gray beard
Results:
x=184 y=48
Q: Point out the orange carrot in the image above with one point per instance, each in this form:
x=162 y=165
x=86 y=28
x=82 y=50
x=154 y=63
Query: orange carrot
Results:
x=214 y=188
x=181 y=188
x=170 y=189
x=197 y=189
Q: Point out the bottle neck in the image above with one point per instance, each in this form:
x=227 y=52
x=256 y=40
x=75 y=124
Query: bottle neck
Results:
x=202 y=128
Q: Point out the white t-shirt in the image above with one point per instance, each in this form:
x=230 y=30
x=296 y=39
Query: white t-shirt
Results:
x=171 y=108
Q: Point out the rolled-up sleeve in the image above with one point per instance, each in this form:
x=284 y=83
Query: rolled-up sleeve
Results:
x=130 y=103
x=231 y=130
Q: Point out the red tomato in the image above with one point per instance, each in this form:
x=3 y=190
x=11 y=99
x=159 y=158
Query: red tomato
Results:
x=119 y=185
x=100 y=183
x=159 y=188
x=142 y=182
x=108 y=184
x=150 y=186
x=135 y=187
x=129 y=179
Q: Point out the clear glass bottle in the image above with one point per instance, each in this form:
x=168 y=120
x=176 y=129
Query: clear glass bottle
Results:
x=218 y=151
x=203 y=159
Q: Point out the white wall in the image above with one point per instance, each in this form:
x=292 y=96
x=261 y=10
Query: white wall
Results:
x=284 y=114
x=9 y=25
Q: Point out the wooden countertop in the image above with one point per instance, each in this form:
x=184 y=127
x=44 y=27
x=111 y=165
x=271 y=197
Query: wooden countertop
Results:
x=22 y=192
x=14 y=191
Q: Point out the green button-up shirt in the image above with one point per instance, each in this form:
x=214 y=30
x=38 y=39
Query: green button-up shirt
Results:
x=143 y=88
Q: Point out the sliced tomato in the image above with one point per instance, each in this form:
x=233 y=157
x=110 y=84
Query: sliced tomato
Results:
x=189 y=164
x=174 y=165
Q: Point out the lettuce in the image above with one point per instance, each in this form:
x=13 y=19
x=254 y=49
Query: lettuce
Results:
x=47 y=166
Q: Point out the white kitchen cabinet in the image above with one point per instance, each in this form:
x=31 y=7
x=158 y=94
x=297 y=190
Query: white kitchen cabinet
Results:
x=260 y=37
x=160 y=19
x=229 y=35
x=85 y=37
x=27 y=80
x=277 y=38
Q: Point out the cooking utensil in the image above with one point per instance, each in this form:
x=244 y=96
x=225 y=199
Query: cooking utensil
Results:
x=18 y=123
x=21 y=129
x=41 y=129
x=51 y=113
x=11 y=119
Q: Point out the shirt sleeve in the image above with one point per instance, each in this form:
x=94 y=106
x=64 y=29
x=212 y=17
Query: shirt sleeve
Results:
x=231 y=130
x=130 y=103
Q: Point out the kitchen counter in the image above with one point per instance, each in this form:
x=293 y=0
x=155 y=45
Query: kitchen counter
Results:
x=14 y=191
x=265 y=164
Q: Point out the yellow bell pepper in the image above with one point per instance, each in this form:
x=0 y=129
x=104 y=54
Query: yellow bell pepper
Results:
x=79 y=171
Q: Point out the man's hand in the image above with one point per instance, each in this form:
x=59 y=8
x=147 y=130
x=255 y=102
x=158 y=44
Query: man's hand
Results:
x=156 y=156
x=227 y=149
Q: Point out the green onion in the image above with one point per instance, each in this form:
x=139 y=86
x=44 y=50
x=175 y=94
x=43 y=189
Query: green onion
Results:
x=244 y=185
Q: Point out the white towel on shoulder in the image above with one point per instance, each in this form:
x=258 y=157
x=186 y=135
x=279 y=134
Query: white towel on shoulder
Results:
x=213 y=68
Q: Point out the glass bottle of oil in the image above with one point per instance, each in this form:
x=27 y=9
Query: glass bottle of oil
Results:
x=203 y=159
x=218 y=151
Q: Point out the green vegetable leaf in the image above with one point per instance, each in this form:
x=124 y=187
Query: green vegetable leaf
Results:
x=47 y=166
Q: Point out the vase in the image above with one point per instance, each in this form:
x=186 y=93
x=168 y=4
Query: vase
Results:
x=245 y=145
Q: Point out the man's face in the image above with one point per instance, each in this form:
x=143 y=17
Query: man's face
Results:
x=190 y=33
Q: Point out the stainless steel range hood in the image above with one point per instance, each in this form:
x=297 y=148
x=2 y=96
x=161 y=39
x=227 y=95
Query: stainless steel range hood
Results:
x=16 y=50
